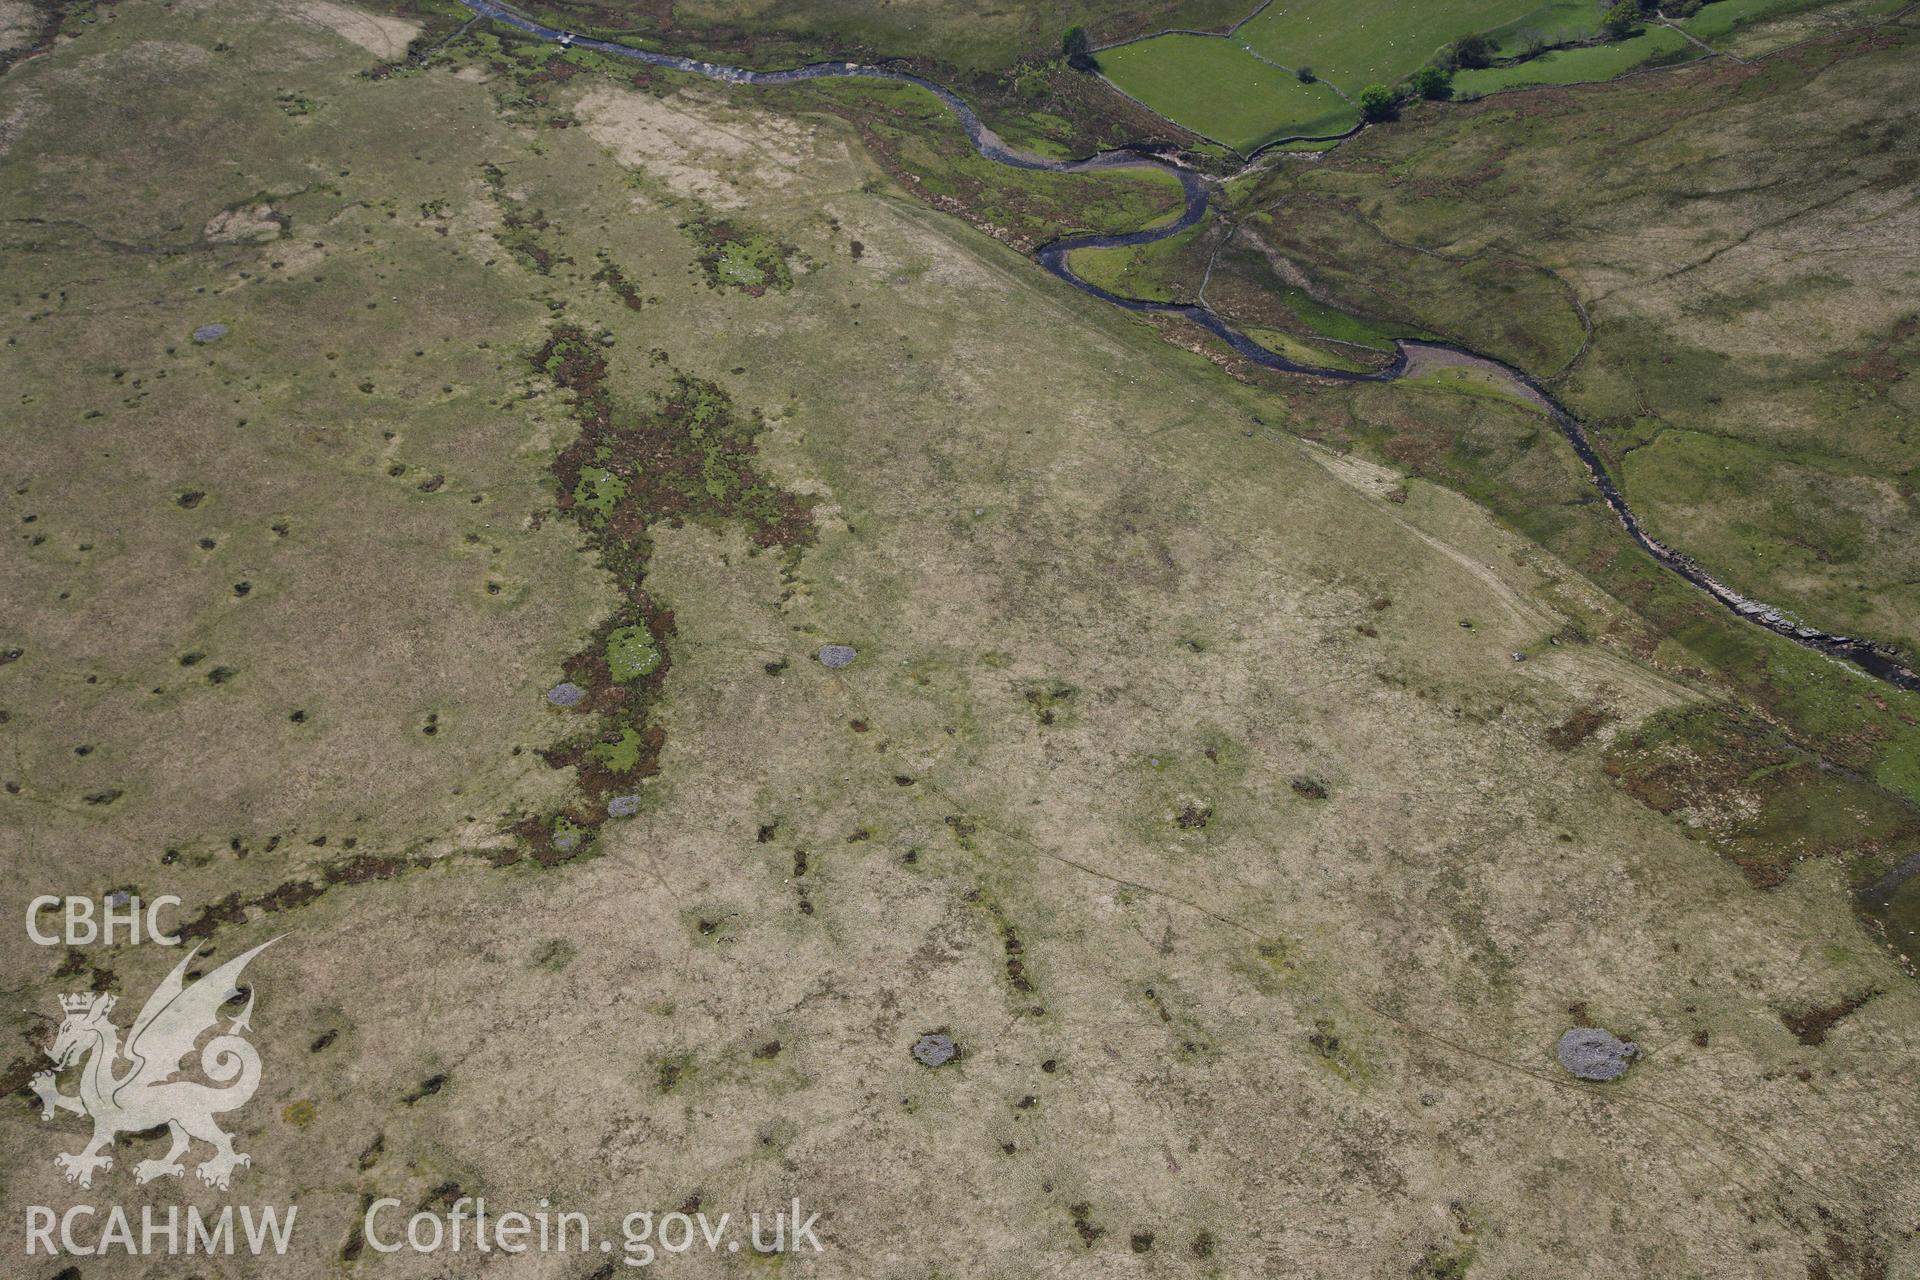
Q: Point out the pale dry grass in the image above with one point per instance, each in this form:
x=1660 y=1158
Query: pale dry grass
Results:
x=17 y=23
x=381 y=35
x=717 y=155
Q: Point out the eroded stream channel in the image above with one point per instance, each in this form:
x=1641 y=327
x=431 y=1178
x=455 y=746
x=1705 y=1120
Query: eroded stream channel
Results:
x=1408 y=354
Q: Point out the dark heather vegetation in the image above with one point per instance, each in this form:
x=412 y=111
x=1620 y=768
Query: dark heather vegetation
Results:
x=686 y=456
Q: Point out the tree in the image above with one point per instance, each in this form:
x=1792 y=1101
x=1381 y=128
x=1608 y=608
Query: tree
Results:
x=1377 y=103
x=1078 y=50
x=1622 y=19
x=1305 y=74
x=1433 y=83
x=1473 y=52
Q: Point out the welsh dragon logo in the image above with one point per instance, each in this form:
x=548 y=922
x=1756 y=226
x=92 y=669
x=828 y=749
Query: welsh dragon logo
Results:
x=146 y=1094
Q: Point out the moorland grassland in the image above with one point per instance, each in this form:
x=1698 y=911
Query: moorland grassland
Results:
x=1185 y=775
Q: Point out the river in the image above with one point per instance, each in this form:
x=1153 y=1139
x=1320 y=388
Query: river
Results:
x=1408 y=353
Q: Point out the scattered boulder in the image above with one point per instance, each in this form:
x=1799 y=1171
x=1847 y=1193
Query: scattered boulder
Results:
x=836 y=656
x=566 y=694
x=210 y=333
x=935 y=1049
x=1594 y=1053
x=623 y=806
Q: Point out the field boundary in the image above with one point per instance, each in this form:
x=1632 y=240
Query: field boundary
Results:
x=1660 y=16
x=1245 y=157
x=1258 y=9
x=1707 y=53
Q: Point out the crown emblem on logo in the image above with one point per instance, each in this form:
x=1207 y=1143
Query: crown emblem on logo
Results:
x=148 y=1094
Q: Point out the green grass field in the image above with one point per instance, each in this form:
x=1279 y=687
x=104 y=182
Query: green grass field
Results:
x=1355 y=43
x=1654 y=45
x=1285 y=344
x=1341 y=326
x=1553 y=21
x=1214 y=88
x=1231 y=90
x=1135 y=272
x=1727 y=16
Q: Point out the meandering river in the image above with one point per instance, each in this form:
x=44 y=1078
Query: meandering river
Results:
x=1054 y=257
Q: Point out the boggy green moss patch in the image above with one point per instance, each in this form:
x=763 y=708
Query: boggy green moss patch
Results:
x=631 y=653
x=689 y=454
x=622 y=754
x=598 y=491
x=737 y=257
